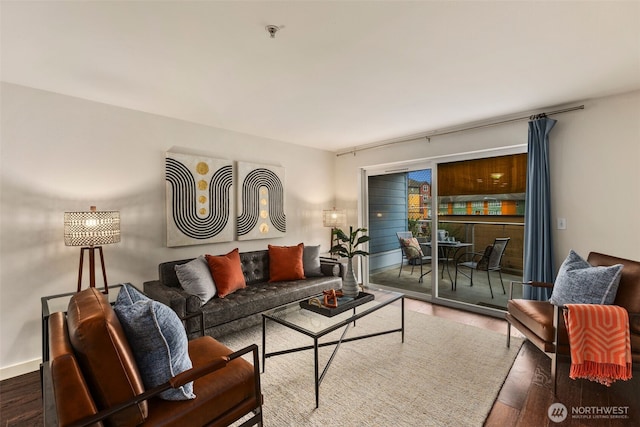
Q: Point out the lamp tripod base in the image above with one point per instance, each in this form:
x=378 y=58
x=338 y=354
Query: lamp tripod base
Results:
x=332 y=242
x=92 y=267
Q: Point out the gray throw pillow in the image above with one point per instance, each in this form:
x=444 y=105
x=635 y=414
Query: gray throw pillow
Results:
x=311 y=261
x=159 y=344
x=578 y=282
x=195 y=278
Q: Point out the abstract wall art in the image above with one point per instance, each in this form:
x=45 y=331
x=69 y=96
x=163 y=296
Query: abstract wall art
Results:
x=199 y=199
x=260 y=202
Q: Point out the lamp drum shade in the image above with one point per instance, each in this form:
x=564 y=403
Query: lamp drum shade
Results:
x=91 y=228
x=334 y=218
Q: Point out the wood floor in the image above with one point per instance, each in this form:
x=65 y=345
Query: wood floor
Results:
x=523 y=401
x=21 y=401
x=526 y=395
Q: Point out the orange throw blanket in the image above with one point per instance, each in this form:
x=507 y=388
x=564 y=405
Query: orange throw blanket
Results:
x=600 y=342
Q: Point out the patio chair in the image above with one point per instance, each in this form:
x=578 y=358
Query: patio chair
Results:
x=490 y=260
x=403 y=235
x=412 y=252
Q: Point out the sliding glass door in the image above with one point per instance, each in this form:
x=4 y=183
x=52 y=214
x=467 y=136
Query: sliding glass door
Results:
x=480 y=208
x=458 y=209
x=399 y=206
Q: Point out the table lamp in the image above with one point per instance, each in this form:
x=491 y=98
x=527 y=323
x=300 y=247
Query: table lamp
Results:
x=334 y=218
x=91 y=229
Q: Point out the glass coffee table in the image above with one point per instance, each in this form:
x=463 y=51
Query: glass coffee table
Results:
x=316 y=325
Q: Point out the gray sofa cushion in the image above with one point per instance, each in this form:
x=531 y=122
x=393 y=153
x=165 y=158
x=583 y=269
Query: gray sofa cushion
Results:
x=195 y=278
x=264 y=296
x=311 y=261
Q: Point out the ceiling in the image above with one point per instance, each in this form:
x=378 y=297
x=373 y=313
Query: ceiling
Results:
x=338 y=74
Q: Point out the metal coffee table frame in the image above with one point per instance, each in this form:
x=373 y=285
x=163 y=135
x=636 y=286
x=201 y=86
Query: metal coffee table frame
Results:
x=391 y=297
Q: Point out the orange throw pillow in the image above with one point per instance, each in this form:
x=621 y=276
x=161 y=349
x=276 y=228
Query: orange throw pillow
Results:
x=226 y=272
x=285 y=263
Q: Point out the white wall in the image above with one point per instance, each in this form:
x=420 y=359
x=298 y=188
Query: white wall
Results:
x=50 y=143
x=60 y=153
x=595 y=172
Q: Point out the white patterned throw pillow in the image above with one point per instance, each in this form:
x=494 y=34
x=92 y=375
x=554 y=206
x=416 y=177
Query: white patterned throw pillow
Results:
x=412 y=248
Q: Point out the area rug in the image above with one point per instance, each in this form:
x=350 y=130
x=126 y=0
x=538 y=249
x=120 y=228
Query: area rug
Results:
x=444 y=374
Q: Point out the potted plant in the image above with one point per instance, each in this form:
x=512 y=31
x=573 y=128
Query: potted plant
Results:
x=413 y=226
x=347 y=247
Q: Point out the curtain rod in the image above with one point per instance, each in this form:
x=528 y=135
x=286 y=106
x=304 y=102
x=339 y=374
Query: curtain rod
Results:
x=428 y=136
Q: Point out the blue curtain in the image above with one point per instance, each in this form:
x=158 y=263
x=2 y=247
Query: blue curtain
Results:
x=538 y=244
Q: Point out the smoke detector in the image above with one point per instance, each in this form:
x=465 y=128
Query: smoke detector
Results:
x=272 y=30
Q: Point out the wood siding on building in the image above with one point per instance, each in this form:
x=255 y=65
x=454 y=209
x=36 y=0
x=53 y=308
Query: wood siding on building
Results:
x=387 y=211
x=478 y=176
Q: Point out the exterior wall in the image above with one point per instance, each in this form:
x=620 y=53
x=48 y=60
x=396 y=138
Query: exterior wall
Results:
x=60 y=153
x=387 y=195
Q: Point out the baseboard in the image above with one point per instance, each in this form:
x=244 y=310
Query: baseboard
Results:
x=20 y=369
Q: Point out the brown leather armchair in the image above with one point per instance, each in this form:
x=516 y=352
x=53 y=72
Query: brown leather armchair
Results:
x=543 y=325
x=94 y=377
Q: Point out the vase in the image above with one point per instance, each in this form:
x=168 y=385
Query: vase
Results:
x=349 y=282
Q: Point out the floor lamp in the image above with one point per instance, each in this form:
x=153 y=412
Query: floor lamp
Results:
x=91 y=229
x=334 y=218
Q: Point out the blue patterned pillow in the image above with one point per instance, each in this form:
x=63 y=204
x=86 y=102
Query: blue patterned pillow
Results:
x=129 y=295
x=159 y=344
x=578 y=282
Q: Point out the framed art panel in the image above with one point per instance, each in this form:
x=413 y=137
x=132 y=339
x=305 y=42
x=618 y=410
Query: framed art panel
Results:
x=199 y=199
x=260 y=202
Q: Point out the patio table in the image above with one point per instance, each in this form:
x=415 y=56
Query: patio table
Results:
x=449 y=252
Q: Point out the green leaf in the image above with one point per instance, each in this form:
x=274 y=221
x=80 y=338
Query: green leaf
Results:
x=349 y=243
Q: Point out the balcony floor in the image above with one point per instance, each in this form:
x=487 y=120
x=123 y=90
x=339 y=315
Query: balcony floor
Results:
x=477 y=294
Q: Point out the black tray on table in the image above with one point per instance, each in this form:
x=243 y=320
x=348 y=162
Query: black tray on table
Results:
x=362 y=298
